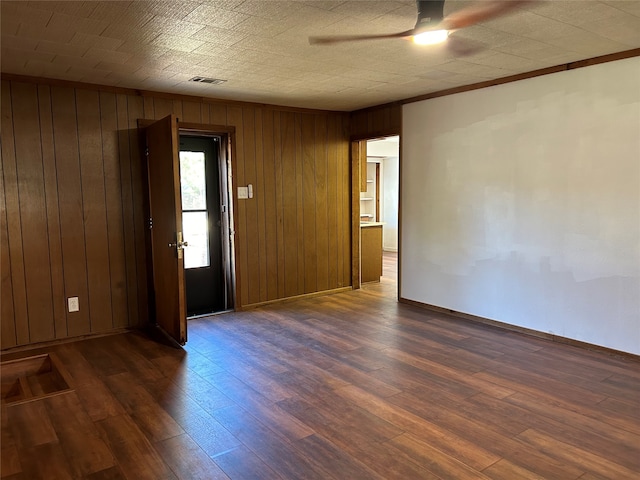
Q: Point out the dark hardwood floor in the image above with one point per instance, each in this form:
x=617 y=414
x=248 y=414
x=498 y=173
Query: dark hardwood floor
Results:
x=347 y=386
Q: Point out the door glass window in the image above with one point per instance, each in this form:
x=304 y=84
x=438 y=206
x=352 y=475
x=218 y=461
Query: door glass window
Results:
x=194 y=190
x=196 y=233
x=195 y=221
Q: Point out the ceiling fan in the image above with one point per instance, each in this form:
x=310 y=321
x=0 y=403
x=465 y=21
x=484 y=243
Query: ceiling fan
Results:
x=432 y=27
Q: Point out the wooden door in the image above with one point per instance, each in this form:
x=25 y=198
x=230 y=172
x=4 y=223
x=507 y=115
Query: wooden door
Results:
x=165 y=207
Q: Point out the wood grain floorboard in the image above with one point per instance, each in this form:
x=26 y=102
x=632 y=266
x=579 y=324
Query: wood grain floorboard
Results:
x=347 y=386
x=78 y=435
x=188 y=460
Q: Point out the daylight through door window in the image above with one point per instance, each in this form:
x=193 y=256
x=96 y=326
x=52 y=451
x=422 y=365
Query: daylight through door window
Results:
x=195 y=221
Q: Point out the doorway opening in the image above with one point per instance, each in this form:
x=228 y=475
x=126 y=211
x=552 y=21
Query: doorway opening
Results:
x=205 y=223
x=383 y=185
x=375 y=212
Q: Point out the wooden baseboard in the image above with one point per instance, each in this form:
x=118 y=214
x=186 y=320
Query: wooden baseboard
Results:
x=60 y=341
x=251 y=306
x=523 y=330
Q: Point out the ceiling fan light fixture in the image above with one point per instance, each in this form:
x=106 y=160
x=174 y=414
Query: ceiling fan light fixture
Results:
x=430 y=37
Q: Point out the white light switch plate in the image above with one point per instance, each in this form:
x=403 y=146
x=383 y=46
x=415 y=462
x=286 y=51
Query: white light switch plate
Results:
x=243 y=192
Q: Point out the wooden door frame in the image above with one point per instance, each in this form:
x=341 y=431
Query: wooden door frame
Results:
x=228 y=135
x=359 y=155
x=358 y=182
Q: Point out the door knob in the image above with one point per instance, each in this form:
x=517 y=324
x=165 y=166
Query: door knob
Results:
x=180 y=245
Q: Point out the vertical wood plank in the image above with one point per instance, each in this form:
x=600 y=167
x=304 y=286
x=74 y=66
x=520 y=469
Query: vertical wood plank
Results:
x=348 y=189
x=236 y=119
x=65 y=133
x=289 y=202
x=32 y=204
x=14 y=225
x=138 y=172
x=359 y=122
x=322 y=219
x=356 y=185
x=251 y=233
x=259 y=200
x=395 y=119
x=148 y=108
x=53 y=212
x=309 y=203
x=123 y=105
x=270 y=217
x=218 y=114
x=332 y=202
x=113 y=198
x=176 y=109
x=162 y=107
x=299 y=183
x=362 y=164
x=7 y=315
x=279 y=218
x=340 y=206
x=191 y=112
x=205 y=113
x=95 y=209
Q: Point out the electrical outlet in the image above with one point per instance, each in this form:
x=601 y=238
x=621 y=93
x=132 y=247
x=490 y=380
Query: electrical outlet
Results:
x=74 y=304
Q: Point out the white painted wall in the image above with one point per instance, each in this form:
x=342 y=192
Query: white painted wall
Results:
x=389 y=202
x=388 y=149
x=521 y=203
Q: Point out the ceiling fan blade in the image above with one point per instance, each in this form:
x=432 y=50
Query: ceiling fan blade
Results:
x=461 y=47
x=481 y=12
x=354 y=38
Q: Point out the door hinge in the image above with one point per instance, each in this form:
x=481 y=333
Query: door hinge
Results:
x=150 y=223
x=146 y=151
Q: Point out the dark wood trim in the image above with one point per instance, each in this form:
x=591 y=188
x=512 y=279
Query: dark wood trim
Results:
x=193 y=128
x=12 y=77
x=55 y=82
x=515 y=328
x=203 y=129
x=612 y=57
x=18 y=351
x=380 y=133
x=487 y=83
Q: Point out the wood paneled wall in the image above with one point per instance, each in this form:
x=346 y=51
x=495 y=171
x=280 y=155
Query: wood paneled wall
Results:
x=374 y=122
x=72 y=204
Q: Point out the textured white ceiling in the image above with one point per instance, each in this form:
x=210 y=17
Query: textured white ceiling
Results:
x=261 y=46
